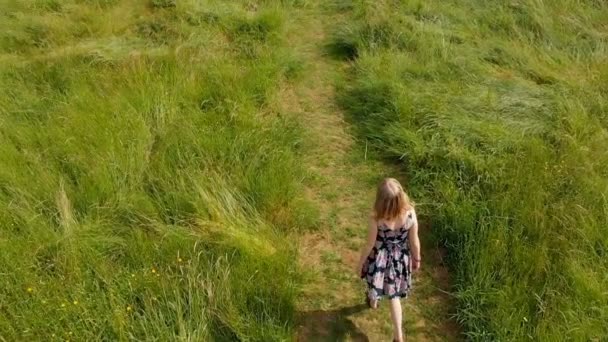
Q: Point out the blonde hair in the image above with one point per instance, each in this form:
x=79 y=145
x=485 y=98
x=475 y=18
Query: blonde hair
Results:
x=391 y=200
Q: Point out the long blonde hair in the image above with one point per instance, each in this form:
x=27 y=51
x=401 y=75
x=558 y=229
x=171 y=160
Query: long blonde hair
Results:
x=391 y=200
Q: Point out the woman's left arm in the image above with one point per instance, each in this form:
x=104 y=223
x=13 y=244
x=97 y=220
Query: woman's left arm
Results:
x=415 y=243
x=372 y=231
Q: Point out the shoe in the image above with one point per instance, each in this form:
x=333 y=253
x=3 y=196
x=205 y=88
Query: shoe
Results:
x=369 y=303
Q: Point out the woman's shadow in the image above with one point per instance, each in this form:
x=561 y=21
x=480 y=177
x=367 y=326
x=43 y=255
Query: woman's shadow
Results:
x=330 y=325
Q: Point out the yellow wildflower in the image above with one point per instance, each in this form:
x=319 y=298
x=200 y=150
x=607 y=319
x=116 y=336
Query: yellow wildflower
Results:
x=154 y=270
x=63 y=305
x=30 y=290
x=179 y=260
x=75 y=302
x=129 y=308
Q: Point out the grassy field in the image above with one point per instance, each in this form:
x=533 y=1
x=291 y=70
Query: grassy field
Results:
x=498 y=112
x=148 y=179
x=160 y=159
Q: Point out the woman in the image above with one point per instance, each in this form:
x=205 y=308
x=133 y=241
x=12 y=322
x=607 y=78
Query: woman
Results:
x=392 y=250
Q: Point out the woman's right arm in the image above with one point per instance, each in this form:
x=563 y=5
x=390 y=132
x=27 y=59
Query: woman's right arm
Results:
x=372 y=231
x=415 y=243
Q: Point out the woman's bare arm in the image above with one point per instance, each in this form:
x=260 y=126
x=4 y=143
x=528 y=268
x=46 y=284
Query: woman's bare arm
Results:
x=372 y=231
x=415 y=242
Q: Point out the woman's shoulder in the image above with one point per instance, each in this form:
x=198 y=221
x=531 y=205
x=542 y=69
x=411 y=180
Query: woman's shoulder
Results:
x=373 y=219
x=409 y=212
x=373 y=216
x=411 y=218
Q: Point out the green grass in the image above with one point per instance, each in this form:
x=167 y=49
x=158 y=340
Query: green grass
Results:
x=497 y=110
x=148 y=180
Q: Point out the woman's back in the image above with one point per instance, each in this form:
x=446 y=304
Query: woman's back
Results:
x=396 y=229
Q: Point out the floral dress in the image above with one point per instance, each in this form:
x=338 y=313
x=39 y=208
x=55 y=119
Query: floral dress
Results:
x=387 y=269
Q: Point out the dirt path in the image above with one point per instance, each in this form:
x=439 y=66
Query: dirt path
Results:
x=342 y=184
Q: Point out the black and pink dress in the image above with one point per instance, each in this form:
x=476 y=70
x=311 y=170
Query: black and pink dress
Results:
x=387 y=269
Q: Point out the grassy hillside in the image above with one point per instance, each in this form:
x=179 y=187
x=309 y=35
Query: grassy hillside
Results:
x=148 y=180
x=150 y=172
x=498 y=110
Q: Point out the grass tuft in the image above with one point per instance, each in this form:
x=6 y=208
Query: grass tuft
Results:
x=163 y=3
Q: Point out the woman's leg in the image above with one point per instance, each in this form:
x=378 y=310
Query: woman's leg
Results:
x=371 y=303
x=395 y=304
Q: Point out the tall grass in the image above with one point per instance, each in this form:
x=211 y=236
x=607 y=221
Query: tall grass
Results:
x=148 y=182
x=498 y=112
